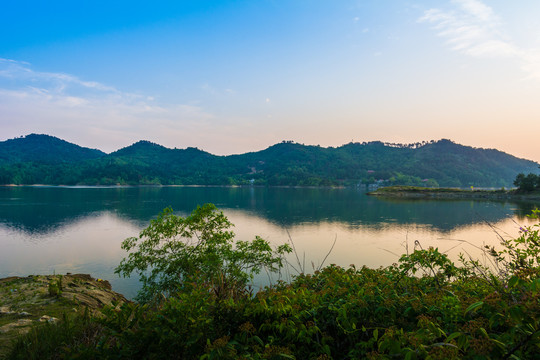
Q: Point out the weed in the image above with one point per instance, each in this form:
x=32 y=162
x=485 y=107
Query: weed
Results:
x=55 y=286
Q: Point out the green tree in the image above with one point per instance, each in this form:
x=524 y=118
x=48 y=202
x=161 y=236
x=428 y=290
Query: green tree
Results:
x=528 y=182
x=175 y=252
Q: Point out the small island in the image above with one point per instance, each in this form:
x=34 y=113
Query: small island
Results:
x=415 y=192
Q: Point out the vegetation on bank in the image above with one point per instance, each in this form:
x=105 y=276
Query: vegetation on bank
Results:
x=42 y=159
x=421 y=189
x=423 y=307
x=528 y=187
x=527 y=183
x=418 y=191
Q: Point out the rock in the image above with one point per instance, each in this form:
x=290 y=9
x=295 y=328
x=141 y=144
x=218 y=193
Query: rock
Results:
x=89 y=292
x=82 y=294
x=4 y=310
x=49 y=319
x=86 y=277
x=22 y=326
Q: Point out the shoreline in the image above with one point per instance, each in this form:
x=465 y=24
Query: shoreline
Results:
x=412 y=192
x=157 y=186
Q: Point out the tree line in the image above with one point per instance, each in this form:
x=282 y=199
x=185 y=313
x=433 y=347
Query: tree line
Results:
x=41 y=159
x=527 y=183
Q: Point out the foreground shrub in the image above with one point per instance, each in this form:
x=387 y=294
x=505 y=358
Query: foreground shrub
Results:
x=174 y=251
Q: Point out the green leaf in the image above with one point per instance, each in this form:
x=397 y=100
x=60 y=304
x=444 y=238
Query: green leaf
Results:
x=286 y=356
x=258 y=340
x=516 y=313
x=483 y=332
x=453 y=336
x=474 y=307
x=513 y=281
x=409 y=355
x=500 y=344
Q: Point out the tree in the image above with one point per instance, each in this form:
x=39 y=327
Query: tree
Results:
x=527 y=183
x=174 y=252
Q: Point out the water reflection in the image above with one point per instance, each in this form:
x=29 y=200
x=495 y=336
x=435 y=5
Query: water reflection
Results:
x=39 y=210
x=47 y=230
x=88 y=245
x=92 y=244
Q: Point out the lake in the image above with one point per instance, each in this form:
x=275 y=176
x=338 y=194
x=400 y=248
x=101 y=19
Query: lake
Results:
x=46 y=230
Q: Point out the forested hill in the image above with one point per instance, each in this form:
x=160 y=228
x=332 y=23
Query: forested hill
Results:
x=43 y=159
x=44 y=149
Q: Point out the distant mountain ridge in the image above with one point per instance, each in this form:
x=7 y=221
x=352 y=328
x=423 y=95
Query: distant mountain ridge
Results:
x=44 y=159
x=44 y=148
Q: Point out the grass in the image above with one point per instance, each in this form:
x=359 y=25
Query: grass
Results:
x=71 y=332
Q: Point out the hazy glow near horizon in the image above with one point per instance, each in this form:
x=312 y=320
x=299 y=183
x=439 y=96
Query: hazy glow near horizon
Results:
x=238 y=76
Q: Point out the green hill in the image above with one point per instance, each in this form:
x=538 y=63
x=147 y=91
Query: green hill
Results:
x=49 y=160
x=44 y=149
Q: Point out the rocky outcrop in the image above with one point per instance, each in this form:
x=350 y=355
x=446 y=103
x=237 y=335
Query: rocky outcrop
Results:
x=30 y=301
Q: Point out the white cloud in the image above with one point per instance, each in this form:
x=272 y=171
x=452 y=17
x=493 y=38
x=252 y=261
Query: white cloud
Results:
x=93 y=113
x=476 y=8
x=474 y=29
x=22 y=75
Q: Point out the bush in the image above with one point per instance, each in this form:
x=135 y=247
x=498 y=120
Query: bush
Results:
x=174 y=252
x=55 y=286
x=527 y=183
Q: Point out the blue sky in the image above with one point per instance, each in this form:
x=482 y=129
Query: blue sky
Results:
x=237 y=76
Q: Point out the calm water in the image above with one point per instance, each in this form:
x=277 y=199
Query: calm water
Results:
x=45 y=230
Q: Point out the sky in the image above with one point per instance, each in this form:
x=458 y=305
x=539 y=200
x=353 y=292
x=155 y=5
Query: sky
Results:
x=231 y=77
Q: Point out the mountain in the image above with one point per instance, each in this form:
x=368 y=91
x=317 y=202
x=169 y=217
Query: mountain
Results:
x=44 y=149
x=147 y=152
x=445 y=162
x=48 y=160
x=148 y=163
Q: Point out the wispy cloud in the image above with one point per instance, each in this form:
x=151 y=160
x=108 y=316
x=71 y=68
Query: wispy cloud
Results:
x=20 y=76
x=66 y=106
x=474 y=29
